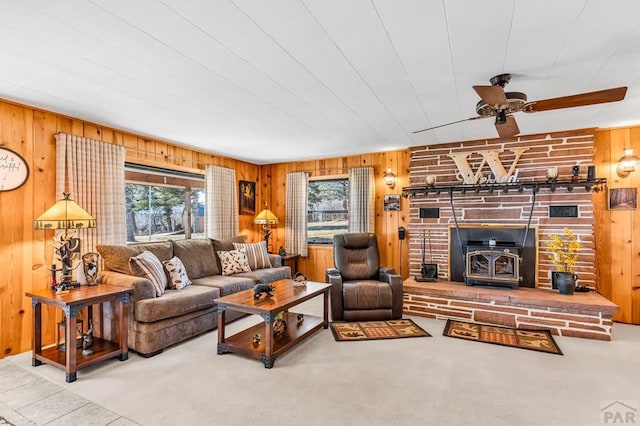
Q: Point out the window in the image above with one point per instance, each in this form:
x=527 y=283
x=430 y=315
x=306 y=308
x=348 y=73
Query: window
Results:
x=327 y=212
x=163 y=204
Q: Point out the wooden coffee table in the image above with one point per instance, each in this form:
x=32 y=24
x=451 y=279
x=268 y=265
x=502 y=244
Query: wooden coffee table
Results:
x=284 y=297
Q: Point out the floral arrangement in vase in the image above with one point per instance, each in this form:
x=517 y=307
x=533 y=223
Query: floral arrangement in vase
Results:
x=565 y=250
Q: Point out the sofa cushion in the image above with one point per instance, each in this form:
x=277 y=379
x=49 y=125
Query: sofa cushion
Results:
x=227 y=285
x=234 y=261
x=267 y=275
x=226 y=245
x=178 y=278
x=116 y=258
x=175 y=303
x=257 y=254
x=197 y=256
x=147 y=265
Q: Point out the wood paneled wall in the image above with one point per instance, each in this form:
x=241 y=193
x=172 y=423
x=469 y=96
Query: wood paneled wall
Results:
x=618 y=231
x=272 y=186
x=25 y=252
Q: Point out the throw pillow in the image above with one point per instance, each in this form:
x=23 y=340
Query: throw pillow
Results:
x=147 y=265
x=225 y=245
x=234 y=261
x=257 y=254
x=178 y=277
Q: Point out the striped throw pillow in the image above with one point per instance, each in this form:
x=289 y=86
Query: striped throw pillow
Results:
x=257 y=254
x=147 y=265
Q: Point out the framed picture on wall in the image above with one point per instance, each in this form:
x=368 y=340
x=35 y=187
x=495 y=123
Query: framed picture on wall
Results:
x=247 y=201
x=14 y=170
x=392 y=202
x=623 y=198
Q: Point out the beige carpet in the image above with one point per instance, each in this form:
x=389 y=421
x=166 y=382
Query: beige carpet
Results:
x=434 y=381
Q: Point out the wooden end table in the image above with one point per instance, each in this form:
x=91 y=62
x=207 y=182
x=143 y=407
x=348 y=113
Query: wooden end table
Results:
x=291 y=260
x=72 y=303
x=285 y=296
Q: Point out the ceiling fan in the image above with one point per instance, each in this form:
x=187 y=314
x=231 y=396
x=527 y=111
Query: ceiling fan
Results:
x=495 y=102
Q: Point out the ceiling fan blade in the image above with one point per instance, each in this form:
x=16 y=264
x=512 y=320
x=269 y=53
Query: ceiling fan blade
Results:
x=583 y=99
x=448 y=124
x=508 y=128
x=492 y=95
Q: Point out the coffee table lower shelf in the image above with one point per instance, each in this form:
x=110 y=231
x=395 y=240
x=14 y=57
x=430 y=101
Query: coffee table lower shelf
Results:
x=242 y=342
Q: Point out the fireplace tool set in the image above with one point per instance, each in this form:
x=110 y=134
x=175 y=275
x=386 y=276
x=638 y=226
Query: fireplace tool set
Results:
x=428 y=271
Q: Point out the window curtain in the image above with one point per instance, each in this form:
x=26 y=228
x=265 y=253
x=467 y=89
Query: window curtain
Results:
x=362 y=193
x=93 y=172
x=295 y=237
x=221 y=208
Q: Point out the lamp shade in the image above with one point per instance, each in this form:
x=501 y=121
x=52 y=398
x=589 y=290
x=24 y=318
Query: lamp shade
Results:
x=627 y=164
x=629 y=160
x=64 y=214
x=389 y=179
x=266 y=217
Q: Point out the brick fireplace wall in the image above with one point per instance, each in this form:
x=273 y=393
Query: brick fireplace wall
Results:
x=563 y=150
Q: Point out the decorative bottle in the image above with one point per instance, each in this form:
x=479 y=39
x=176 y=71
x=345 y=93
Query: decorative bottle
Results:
x=54 y=283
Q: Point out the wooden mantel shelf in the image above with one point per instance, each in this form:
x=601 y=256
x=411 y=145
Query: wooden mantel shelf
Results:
x=587 y=315
x=595 y=185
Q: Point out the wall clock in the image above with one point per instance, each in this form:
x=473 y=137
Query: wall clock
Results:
x=14 y=170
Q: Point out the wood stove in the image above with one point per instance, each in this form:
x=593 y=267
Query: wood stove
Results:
x=493 y=263
x=493 y=267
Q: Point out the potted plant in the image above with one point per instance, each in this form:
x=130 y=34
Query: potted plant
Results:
x=564 y=249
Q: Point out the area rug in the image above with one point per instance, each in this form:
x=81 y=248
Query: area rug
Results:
x=374 y=330
x=536 y=340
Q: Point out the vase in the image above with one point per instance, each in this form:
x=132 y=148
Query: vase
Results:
x=565 y=281
x=554 y=283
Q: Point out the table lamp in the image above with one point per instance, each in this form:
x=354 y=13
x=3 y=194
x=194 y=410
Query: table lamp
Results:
x=266 y=218
x=65 y=215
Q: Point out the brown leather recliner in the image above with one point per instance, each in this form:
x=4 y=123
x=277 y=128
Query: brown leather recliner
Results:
x=362 y=290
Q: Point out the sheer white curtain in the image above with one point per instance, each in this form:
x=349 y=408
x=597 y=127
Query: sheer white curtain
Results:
x=295 y=236
x=93 y=172
x=221 y=209
x=362 y=193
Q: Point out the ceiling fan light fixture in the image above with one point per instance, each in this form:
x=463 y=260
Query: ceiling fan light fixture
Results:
x=515 y=102
x=501 y=116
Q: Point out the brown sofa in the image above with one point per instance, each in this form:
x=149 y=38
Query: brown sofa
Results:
x=156 y=322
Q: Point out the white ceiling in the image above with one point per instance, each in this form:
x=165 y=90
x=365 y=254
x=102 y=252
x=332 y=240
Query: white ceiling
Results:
x=282 y=80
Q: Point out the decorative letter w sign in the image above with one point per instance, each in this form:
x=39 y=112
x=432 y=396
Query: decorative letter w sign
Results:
x=490 y=158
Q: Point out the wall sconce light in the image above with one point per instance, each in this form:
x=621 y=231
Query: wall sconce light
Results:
x=627 y=164
x=389 y=179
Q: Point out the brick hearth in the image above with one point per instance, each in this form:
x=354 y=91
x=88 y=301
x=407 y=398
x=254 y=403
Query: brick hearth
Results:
x=587 y=315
